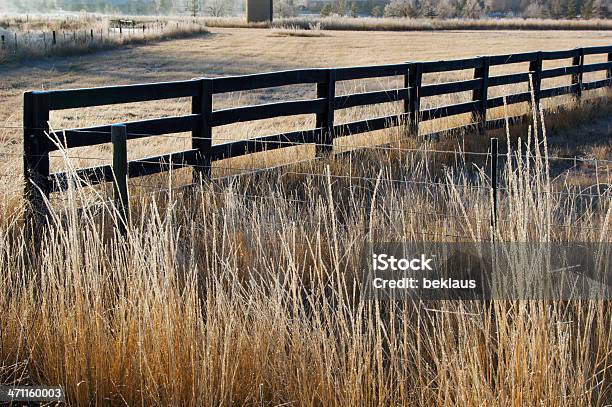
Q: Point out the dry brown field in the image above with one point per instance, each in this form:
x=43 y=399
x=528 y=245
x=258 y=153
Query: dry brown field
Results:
x=241 y=51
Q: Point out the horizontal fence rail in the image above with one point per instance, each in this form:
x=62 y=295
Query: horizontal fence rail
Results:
x=38 y=139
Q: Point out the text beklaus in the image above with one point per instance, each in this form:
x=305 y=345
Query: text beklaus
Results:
x=385 y=262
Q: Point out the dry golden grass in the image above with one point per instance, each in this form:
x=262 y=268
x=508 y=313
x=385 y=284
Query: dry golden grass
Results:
x=30 y=37
x=313 y=30
x=250 y=294
x=247 y=290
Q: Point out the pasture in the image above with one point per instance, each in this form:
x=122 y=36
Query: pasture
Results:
x=241 y=51
x=246 y=290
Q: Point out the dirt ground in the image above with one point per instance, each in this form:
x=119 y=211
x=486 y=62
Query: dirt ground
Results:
x=239 y=51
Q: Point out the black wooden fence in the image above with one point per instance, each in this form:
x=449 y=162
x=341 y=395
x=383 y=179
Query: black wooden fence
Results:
x=40 y=183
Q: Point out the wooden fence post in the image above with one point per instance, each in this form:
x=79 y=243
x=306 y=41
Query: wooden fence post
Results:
x=578 y=61
x=415 y=77
x=325 y=120
x=609 y=71
x=535 y=68
x=120 y=173
x=201 y=136
x=480 y=116
x=37 y=184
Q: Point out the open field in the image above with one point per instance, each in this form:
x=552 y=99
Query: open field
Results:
x=247 y=290
x=239 y=51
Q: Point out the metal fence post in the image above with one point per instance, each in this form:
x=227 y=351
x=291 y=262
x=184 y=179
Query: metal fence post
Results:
x=494 y=187
x=37 y=185
x=415 y=77
x=481 y=94
x=325 y=120
x=120 y=172
x=578 y=61
x=201 y=136
x=535 y=67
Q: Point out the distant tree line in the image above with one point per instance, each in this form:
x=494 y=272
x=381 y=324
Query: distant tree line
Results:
x=377 y=8
x=470 y=8
x=159 y=7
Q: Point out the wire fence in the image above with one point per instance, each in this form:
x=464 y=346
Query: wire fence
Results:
x=352 y=148
x=465 y=221
x=56 y=137
x=245 y=171
x=318 y=166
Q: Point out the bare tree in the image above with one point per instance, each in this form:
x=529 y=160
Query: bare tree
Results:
x=284 y=8
x=220 y=8
x=194 y=7
x=403 y=8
